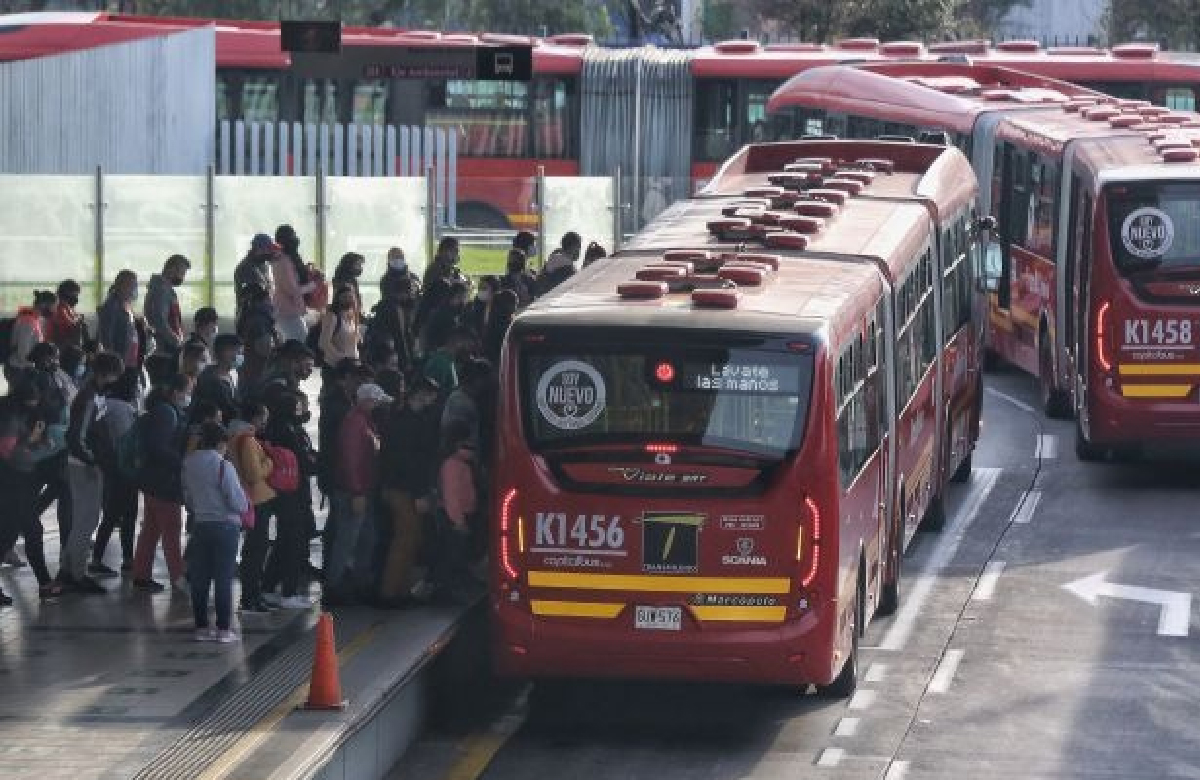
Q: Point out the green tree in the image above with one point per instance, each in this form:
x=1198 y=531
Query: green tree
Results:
x=1175 y=23
x=821 y=20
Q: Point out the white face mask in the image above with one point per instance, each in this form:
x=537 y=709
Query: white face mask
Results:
x=398 y=264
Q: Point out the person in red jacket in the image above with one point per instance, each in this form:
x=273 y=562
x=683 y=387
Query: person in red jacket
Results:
x=67 y=326
x=348 y=573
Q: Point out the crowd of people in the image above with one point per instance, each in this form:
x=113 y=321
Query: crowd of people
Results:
x=211 y=431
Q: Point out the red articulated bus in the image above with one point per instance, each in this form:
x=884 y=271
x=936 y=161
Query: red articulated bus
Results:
x=1103 y=315
x=717 y=442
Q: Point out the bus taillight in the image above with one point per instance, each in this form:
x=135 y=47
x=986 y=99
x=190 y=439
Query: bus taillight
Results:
x=506 y=529
x=814 y=552
x=1102 y=336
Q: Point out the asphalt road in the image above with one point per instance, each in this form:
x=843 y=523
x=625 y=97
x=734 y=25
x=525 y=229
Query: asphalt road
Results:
x=1047 y=632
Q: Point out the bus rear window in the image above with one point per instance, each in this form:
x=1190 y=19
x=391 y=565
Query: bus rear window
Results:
x=750 y=400
x=1154 y=226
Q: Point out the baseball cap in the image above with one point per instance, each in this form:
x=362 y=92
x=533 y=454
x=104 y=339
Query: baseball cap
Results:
x=373 y=392
x=262 y=241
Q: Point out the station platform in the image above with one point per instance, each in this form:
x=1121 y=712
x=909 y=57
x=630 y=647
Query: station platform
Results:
x=113 y=687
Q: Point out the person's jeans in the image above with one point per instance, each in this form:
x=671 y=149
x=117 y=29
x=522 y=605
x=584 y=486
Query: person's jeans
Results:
x=292 y=328
x=85 y=485
x=120 y=513
x=51 y=475
x=212 y=563
x=254 y=552
x=163 y=520
x=349 y=564
x=406 y=530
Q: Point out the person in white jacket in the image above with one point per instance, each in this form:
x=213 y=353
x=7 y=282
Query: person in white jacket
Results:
x=217 y=502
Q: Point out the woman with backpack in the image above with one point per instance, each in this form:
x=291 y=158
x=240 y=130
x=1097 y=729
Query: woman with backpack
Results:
x=288 y=444
x=218 y=502
x=340 y=328
x=254 y=468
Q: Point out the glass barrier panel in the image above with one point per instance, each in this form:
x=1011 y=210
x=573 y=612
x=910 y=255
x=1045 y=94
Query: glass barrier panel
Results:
x=370 y=216
x=490 y=212
x=646 y=198
x=583 y=204
x=149 y=218
x=258 y=204
x=47 y=234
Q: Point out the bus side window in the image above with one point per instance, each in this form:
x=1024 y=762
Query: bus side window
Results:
x=715 y=117
x=1176 y=98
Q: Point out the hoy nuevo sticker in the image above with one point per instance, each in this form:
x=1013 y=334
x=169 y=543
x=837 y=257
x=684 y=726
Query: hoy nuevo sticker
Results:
x=570 y=395
x=1148 y=233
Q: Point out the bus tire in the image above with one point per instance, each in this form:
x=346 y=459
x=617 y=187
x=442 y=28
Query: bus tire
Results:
x=962 y=474
x=889 y=594
x=1055 y=402
x=480 y=216
x=1084 y=449
x=844 y=685
x=935 y=516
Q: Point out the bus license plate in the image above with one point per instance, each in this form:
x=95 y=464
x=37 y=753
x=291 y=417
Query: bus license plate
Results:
x=659 y=618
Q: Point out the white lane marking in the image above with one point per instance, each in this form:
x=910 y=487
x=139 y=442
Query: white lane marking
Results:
x=1174 y=617
x=982 y=483
x=896 y=771
x=831 y=757
x=987 y=581
x=1023 y=514
x=1017 y=402
x=846 y=727
x=876 y=673
x=861 y=700
x=1047 y=447
x=945 y=672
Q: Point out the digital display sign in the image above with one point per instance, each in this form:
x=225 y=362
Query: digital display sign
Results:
x=757 y=378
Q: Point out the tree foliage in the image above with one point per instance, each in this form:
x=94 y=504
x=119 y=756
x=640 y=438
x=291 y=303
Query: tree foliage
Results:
x=821 y=20
x=1174 y=23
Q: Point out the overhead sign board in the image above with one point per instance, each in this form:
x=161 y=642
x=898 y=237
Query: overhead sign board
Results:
x=483 y=63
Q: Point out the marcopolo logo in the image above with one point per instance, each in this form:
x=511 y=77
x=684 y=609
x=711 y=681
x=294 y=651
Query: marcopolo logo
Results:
x=1148 y=233
x=570 y=395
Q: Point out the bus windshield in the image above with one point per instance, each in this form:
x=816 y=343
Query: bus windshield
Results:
x=748 y=399
x=1155 y=226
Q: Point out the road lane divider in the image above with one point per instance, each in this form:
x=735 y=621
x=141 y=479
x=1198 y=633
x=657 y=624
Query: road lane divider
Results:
x=1023 y=514
x=1024 y=407
x=943 y=677
x=876 y=673
x=986 y=587
x=846 y=727
x=831 y=757
x=897 y=770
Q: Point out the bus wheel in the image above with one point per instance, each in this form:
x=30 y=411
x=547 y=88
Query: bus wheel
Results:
x=1084 y=449
x=935 y=517
x=844 y=685
x=889 y=594
x=1055 y=402
x=962 y=474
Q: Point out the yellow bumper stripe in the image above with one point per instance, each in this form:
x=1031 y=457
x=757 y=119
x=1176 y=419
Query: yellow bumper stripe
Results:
x=584 y=609
x=666 y=583
x=743 y=614
x=1159 y=369
x=1156 y=391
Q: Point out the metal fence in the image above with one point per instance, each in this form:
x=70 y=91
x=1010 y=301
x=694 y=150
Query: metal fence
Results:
x=296 y=149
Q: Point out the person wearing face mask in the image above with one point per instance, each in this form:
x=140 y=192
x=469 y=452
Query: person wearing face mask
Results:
x=161 y=441
x=398 y=277
x=193 y=358
x=29 y=329
x=55 y=393
x=118 y=331
x=288 y=297
x=161 y=308
x=560 y=266
x=67 y=326
x=458 y=503
x=288 y=557
x=218 y=383
x=391 y=321
x=120 y=494
x=349 y=270
x=205 y=327
x=339 y=328
x=85 y=437
x=255 y=268
x=446 y=317
x=475 y=316
x=253 y=468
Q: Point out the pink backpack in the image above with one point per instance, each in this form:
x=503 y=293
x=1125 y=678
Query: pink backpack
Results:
x=285 y=476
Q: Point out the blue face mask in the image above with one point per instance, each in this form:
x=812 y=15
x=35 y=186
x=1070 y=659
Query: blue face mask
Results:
x=239 y=360
x=80 y=371
x=186 y=402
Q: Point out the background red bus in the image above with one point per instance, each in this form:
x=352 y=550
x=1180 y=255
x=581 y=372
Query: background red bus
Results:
x=713 y=455
x=572 y=117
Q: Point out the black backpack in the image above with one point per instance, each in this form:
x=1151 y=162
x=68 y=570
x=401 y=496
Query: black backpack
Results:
x=6 y=338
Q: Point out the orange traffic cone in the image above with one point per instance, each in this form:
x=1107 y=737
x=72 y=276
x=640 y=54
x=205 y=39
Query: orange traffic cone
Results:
x=325 y=689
